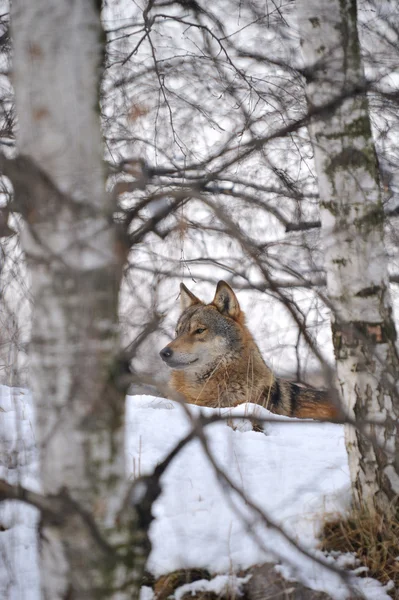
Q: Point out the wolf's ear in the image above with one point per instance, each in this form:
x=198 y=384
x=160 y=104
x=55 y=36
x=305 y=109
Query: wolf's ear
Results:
x=187 y=298
x=226 y=301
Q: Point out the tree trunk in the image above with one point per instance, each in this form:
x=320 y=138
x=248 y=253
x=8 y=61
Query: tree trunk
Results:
x=75 y=263
x=364 y=333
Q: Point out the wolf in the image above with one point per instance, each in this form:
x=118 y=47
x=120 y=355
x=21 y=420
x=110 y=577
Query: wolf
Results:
x=216 y=362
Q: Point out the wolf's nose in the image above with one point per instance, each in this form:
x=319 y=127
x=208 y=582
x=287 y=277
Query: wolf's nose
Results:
x=166 y=353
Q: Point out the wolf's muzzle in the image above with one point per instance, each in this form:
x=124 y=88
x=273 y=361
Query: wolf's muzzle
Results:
x=166 y=353
x=176 y=360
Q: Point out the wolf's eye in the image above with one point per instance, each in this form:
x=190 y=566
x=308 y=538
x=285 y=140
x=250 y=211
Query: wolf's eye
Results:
x=200 y=330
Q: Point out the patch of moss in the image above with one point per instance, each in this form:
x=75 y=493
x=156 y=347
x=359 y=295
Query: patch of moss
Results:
x=331 y=207
x=372 y=219
x=359 y=127
x=351 y=158
x=348 y=157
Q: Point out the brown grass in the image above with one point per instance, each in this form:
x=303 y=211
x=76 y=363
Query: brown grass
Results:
x=166 y=585
x=373 y=537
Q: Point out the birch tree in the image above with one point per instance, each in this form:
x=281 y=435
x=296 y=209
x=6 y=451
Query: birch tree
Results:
x=90 y=546
x=356 y=264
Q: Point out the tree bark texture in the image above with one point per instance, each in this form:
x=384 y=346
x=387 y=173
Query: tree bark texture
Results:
x=75 y=262
x=364 y=333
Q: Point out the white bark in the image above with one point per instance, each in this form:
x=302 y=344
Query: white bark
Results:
x=75 y=266
x=355 y=258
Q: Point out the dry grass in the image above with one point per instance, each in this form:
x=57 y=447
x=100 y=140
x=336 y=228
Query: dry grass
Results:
x=374 y=539
x=166 y=585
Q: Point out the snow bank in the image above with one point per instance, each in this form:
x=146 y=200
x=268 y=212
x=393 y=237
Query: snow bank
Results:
x=295 y=472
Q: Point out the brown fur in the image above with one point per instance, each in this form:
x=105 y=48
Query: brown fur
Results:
x=217 y=363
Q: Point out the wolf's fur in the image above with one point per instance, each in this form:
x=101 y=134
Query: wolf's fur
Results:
x=217 y=363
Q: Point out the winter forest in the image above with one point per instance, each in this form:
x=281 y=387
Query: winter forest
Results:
x=248 y=150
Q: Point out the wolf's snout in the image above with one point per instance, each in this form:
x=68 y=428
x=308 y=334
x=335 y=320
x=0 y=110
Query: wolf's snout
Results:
x=166 y=353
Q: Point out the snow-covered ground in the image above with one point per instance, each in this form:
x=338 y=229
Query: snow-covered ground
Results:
x=295 y=473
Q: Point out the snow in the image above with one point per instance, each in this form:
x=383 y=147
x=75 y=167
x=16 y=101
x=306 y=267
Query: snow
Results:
x=272 y=469
x=295 y=472
x=228 y=585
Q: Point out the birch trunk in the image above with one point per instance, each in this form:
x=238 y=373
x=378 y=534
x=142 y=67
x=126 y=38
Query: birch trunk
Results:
x=364 y=333
x=75 y=267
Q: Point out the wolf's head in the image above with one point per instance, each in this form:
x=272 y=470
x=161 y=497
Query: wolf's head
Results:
x=206 y=334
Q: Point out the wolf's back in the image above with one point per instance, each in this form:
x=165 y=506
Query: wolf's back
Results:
x=292 y=400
